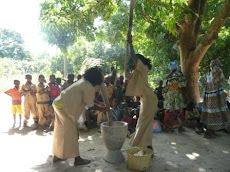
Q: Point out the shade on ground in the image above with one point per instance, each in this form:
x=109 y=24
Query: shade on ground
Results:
x=23 y=150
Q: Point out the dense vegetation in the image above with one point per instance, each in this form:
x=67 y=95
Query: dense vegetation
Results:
x=97 y=30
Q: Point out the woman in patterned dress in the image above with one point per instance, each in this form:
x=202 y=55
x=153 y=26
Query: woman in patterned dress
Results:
x=173 y=104
x=215 y=115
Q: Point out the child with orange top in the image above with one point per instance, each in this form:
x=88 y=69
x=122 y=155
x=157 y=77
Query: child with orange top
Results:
x=16 y=101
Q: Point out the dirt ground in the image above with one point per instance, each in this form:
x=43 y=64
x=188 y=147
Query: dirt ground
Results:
x=24 y=150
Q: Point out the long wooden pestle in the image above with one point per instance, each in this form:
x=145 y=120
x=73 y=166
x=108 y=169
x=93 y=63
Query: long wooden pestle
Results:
x=104 y=96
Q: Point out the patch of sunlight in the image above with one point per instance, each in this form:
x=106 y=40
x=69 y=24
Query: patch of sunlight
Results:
x=176 y=152
x=173 y=143
x=90 y=142
x=190 y=156
x=173 y=147
x=81 y=139
x=195 y=154
x=171 y=164
x=98 y=170
x=90 y=138
x=226 y=152
x=201 y=170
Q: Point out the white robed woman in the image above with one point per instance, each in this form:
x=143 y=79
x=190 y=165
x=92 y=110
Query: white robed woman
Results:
x=68 y=107
x=138 y=86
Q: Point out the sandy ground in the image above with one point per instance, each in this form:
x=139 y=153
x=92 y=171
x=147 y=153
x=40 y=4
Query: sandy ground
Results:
x=24 y=150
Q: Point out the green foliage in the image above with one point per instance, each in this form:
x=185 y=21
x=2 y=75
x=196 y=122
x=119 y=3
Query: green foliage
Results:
x=154 y=33
x=75 y=14
x=168 y=11
x=57 y=64
x=57 y=31
x=220 y=50
x=12 y=45
x=45 y=64
x=61 y=36
x=10 y=66
x=100 y=52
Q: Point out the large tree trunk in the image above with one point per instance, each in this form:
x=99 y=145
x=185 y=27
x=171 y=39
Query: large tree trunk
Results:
x=192 y=52
x=191 y=92
x=65 y=66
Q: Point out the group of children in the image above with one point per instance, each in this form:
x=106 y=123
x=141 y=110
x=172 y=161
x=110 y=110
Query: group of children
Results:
x=37 y=101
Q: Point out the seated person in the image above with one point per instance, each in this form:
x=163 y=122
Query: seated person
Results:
x=123 y=106
x=135 y=115
x=101 y=117
x=192 y=118
x=115 y=111
x=158 y=92
x=91 y=118
x=81 y=121
x=160 y=112
x=126 y=118
x=199 y=107
x=118 y=92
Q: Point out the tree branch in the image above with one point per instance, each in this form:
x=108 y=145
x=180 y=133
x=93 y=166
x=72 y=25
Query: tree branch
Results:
x=97 y=3
x=194 y=5
x=179 y=28
x=201 y=14
x=147 y=18
x=212 y=33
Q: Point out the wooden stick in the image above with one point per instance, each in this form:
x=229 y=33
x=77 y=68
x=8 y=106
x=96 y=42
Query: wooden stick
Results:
x=104 y=96
x=129 y=32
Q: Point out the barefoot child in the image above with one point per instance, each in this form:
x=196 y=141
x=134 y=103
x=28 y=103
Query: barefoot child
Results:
x=29 y=91
x=43 y=99
x=16 y=101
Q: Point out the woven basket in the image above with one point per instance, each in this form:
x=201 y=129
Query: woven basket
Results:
x=139 y=163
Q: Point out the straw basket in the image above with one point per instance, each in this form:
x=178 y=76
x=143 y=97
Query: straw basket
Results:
x=139 y=163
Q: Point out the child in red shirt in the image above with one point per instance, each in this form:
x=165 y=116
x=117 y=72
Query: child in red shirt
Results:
x=54 y=92
x=55 y=89
x=16 y=101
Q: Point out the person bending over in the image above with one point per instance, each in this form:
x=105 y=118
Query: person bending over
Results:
x=68 y=107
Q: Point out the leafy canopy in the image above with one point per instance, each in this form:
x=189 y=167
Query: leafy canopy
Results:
x=12 y=45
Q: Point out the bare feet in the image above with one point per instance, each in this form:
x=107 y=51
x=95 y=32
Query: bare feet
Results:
x=56 y=159
x=85 y=128
x=209 y=134
x=80 y=161
x=25 y=125
x=51 y=128
x=35 y=126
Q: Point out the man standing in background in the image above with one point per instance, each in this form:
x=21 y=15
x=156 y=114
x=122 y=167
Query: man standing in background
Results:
x=29 y=91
